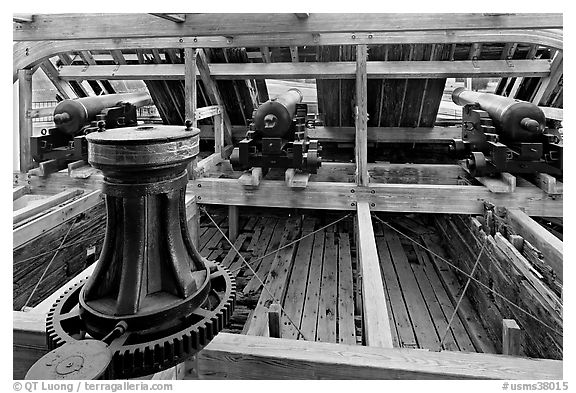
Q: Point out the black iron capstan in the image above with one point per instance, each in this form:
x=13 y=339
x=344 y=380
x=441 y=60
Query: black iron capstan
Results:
x=152 y=301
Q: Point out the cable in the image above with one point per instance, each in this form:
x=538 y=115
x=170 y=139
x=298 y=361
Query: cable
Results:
x=49 y=263
x=294 y=242
x=255 y=275
x=58 y=249
x=461 y=296
x=472 y=278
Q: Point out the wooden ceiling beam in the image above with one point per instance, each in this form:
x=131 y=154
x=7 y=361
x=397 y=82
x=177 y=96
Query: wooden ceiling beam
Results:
x=328 y=70
x=91 y=26
x=28 y=54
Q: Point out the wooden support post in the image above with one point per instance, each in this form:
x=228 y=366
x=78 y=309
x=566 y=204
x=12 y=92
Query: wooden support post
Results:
x=362 y=177
x=548 y=84
x=24 y=121
x=62 y=86
x=190 y=84
x=233 y=218
x=377 y=330
x=251 y=179
x=511 y=336
x=218 y=133
x=193 y=218
x=274 y=326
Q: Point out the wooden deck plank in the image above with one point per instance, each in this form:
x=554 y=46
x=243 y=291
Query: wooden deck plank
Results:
x=346 y=328
x=421 y=321
x=457 y=328
x=276 y=281
x=310 y=314
x=470 y=320
x=231 y=256
x=404 y=331
x=326 y=323
x=295 y=294
x=438 y=318
x=258 y=228
x=265 y=264
x=261 y=244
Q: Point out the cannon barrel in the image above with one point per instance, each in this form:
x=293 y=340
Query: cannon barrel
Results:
x=71 y=115
x=274 y=117
x=515 y=121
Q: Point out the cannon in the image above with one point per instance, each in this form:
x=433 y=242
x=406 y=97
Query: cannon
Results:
x=502 y=134
x=73 y=119
x=277 y=137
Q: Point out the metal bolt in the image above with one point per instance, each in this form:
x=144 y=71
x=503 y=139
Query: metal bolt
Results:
x=372 y=205
x=372 y=191
x=353 y=204
x=199 y=197
x=370 y=36
x=352 y=191
x=353 y=36
x=195 y=39
x=181 y=40
x=199 y=185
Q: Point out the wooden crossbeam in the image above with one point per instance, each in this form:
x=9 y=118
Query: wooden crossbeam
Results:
x=377 y=329
x=27 y=54
x=90 y=26
x=408 y=198
x=328 y=70
x=47 y=203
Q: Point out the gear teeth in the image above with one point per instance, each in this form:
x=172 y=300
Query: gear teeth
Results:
x=136 y=360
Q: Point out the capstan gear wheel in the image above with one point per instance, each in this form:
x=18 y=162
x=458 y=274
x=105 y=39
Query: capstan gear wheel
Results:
x=137 y=353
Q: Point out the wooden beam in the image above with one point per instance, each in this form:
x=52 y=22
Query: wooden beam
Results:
x=408 y=198
x=27 y=54
x=317 y=70
x=377 y=330
x=237 y=356
x=213 y=93
x=47 y=203
x=190 y=93
x=549 y=245
x=234 y=356
x=548 y=183
x=24 y=121
x=441 y=135
x=48 y=221
x=61 y=85
x=89 y=26
x=23 y=18
x=548 y=84
x=362 y=177
x=206 y=112
x=177 y=18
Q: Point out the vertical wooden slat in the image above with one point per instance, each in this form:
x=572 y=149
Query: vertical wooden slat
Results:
x=233 y=216
x=510 y=337
x=24 y=120
x=190 y=84
x=362 y=177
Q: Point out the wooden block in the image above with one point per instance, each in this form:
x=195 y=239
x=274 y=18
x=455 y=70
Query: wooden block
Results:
x=274 y=326
x=251 y=179
x=505 y=182
x=511 y=336
x=548 y=183
x=296 y=180
x=346 y=330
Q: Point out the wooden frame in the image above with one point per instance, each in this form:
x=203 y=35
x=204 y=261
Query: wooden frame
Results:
x=86 y=26
x=317 y=70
